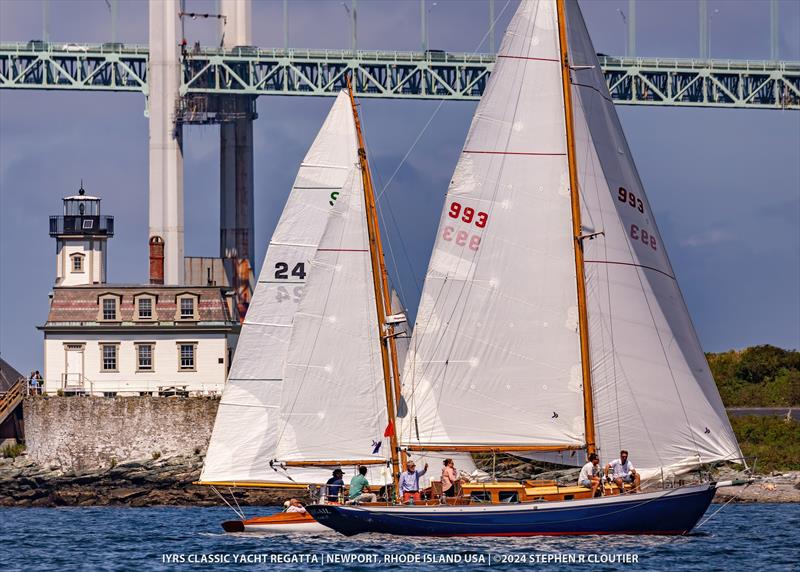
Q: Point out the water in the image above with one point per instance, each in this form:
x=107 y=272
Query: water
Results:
x=755 y=537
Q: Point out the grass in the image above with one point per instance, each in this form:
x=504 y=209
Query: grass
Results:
x=12 y=451
x=775 y=441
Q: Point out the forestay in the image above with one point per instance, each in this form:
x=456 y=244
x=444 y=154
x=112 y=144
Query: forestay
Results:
x=245 y=433
x=653 y=392
x=494 y=358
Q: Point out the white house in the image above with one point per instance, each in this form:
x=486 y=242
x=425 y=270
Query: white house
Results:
x=148 y=339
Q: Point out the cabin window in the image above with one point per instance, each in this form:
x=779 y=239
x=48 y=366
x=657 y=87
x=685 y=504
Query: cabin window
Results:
x=77 y=262
x=145 y=308
x=109 y=357
x=480 y=496
x=109 y=308
x=508 y=496
x=186 y=356
x=144 y=357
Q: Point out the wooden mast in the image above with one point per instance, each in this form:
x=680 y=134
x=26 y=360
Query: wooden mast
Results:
x=583 y=322
x=382 y=297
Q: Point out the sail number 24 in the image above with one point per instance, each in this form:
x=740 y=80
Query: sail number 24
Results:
x=470 y=216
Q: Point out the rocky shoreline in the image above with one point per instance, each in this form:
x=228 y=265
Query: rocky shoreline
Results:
x=153 y=482
x=168 y=481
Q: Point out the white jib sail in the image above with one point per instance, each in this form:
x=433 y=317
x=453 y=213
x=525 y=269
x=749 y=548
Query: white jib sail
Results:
x=244 y=439
x=333 y=405
x=653 y=391
x=494 y=357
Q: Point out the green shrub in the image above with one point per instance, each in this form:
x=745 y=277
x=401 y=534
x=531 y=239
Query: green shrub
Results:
x=761 y=376
x=775 y=441
x=156 y=455
x=12 y=451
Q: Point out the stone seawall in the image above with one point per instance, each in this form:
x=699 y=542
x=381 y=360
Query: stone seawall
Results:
x=83 y=433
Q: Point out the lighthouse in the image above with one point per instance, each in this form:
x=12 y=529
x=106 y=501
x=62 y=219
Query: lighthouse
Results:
x=81 y=234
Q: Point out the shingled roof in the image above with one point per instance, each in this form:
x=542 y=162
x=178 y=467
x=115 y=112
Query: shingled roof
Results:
x=80 y=305
x=8 y=375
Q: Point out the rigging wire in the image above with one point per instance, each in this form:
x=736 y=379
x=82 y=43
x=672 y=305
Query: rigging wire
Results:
x=439 y=106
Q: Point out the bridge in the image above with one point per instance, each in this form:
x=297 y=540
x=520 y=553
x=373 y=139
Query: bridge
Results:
x=207 y=73
x=185 y=83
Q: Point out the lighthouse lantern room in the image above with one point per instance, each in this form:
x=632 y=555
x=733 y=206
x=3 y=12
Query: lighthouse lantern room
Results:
x=81 y=235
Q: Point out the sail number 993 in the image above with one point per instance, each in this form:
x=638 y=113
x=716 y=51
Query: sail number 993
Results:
x=468 y=214
x=643 y=236
x=625 y=196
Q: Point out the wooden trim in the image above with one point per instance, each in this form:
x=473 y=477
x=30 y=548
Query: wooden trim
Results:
x=493 y=448
x=252 y=485
x=382 y=297
x=348 y=463
x=577 y=230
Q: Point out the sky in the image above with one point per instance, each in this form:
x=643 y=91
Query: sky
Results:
x=724 y=183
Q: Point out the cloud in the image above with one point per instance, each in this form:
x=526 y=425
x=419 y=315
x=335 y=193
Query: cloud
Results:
x=709 y=237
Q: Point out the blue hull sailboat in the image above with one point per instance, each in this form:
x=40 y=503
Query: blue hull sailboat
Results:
x=666 y=512
x=551 y=323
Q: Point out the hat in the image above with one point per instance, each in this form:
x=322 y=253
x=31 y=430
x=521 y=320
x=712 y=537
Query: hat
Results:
x=411 y=463
x=338 y=472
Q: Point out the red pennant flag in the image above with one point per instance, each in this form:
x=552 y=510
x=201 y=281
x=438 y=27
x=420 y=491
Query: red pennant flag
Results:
x=389 y=430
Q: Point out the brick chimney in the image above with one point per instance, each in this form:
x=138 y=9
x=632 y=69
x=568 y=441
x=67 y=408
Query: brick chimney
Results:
x=156 y=260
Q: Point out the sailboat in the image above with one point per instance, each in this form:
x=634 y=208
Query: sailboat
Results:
x=315 y=378
x=551 y=322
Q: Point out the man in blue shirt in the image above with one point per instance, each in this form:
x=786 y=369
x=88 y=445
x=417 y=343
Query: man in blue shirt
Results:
x=409 y=482
x=334 y=486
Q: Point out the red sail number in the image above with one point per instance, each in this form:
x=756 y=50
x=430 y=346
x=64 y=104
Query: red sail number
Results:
x=468 y=215
x=461 y=238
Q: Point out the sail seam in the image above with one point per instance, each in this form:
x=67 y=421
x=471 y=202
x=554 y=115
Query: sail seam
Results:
x=324 y=166
x=513 y=153
x=631 y=264
x=527 y=58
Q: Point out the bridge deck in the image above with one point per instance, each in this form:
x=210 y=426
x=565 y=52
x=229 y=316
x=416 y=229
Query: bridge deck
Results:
x=402 y=75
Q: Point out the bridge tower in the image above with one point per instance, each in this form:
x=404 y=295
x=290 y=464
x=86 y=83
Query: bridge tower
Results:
x=236 y=159
x=166 y=136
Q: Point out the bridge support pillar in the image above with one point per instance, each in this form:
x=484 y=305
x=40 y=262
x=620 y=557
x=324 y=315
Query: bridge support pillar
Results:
x=166 y=137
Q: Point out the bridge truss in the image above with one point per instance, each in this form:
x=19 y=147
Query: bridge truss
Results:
x=210 y=72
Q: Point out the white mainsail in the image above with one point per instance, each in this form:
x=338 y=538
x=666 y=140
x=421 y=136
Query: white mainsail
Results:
x=653 y=391
x=245 y=433
x=495 y=358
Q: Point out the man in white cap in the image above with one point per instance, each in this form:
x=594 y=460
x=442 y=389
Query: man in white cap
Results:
x=409 y=482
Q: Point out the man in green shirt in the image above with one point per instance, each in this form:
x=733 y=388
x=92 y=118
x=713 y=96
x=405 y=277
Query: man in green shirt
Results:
x=359 y=488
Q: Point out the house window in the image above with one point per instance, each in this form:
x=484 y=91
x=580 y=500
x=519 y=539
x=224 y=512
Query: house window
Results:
x=186 y=357
x=109 y=308
x=145 y=308
x=144 y=357
x=77 y=263
x=109 y=353
x=187 y=308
